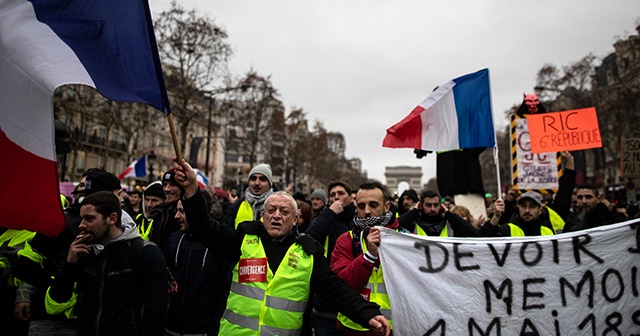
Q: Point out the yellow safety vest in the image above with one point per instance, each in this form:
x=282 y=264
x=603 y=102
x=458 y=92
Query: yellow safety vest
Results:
x=516 y=231
x=55 y=308
x=420 y=231
x=556 y=221
x=14 y=238
x=144 y=230
x=245 y=213
x=271 y=307
x=377 y=293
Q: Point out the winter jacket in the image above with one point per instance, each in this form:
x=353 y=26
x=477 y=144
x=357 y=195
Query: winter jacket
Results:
x=223 y=240
x=164 y=223
x=203 y=286
x=599 y=216
x=118 y=293
x=331 y=225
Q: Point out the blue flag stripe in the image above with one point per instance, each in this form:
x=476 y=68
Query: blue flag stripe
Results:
x=114 y=40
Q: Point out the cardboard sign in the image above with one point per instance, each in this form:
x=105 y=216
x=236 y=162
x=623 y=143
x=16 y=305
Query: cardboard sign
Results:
x=578 y=283
x=630 y=157
x=569 y=130
x=531 y=171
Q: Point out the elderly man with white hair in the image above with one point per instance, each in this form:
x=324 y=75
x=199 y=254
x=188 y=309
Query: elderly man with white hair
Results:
x=276 y=269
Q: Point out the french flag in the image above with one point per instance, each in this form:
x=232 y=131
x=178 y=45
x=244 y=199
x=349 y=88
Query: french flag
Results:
x=108 y=45
x=456 y=115
x=136 y=169
x=201 y=179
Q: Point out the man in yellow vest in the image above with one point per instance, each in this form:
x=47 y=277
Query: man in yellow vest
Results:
x=251 y=206
x=276 y=269
x=526 y=223
x=355 y=256
x=430 y=217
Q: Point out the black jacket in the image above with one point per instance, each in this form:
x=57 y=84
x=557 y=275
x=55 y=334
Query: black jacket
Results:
x=117 y=294
x=225 y=241
x=328 y=224
x=164 y=223
x=599 y=216
x=203 y=286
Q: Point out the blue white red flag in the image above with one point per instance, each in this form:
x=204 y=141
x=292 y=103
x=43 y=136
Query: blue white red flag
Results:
x=201 y=179
x=456 y=115
x=108 y=45
x=137 y=168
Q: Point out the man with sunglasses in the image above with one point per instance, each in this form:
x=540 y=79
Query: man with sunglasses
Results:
x=251 y=207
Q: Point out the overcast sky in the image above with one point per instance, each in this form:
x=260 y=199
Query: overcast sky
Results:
x=361 y=66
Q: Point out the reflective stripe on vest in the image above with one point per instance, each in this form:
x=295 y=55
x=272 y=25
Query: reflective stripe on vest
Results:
x=326 y=247
x=516 y=231
x=245 y=213
x=444 y=233
x=274 y=307
x=556 y=221
x=378 y=294
x=144 y=232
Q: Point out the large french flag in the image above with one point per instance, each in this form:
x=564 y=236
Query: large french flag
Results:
x=456 y=115
x=108 y=45
x=137 y=168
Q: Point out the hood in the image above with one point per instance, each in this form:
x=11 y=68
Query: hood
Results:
x=129 y=232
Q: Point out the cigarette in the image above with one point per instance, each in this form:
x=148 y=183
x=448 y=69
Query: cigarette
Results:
x=80 y=236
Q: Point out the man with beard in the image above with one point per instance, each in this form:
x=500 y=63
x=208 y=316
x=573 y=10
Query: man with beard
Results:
x=120 y=282
x=591 y=211
x=41 y=259
x=527 y=222
x=430 y=217
x=330 y=224
x=251 y=207
x=355 y=257
x=407 y=199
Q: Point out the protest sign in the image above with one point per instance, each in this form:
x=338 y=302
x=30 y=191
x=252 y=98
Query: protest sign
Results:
x=568 y=130
x=580 y=283
x=630 y=157
x=531 y=171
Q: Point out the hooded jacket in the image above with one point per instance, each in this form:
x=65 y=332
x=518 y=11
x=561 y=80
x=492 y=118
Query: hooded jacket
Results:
x=118 y=293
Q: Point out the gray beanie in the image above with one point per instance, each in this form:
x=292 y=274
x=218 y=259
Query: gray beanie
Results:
x=319 y=194
x=264 y=169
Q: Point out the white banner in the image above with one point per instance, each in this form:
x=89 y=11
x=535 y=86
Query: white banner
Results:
x=581 y=283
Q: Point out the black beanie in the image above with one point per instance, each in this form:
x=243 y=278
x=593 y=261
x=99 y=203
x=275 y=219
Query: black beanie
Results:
x=170 y=176
x=155 y=189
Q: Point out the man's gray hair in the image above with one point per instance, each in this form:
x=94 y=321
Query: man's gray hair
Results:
x=282 y=193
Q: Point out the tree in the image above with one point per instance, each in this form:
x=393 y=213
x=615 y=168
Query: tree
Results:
x=259 y=103
x=194 y=52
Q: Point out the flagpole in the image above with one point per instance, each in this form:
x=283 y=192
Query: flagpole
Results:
x=495 y=148
x=174 y=137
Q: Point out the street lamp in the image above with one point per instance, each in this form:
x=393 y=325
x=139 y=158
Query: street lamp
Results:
x=210 y=94
x=151 y=157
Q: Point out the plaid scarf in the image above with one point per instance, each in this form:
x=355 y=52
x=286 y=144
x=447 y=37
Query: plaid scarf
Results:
x=257 y=202
x=366 y=223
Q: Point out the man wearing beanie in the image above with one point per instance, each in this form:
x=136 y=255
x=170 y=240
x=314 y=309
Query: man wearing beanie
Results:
x=163 y=215
x=151 y=196
x=251 y=207
x=318 y=201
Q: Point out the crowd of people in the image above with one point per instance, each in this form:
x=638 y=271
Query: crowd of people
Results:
x=174 y=259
